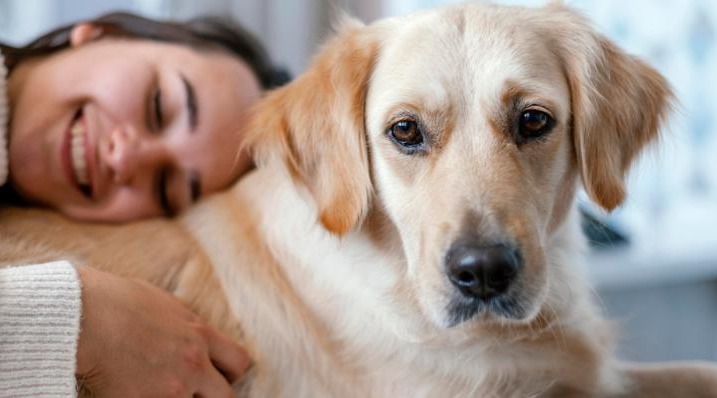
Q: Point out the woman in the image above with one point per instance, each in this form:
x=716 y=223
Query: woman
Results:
x=113 y=120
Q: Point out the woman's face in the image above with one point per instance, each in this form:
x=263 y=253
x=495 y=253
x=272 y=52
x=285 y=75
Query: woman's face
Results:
x=120 y=129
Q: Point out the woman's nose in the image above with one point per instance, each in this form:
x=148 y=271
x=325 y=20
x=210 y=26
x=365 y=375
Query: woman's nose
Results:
x=129 y=155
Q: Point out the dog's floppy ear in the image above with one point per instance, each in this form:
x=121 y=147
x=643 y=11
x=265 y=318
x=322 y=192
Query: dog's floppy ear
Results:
x=315 y=125
x=618 y=105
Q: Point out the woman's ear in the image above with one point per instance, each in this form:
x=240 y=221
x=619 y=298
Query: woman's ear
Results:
x=83 y=33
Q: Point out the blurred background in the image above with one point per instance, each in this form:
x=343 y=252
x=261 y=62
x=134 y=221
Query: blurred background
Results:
x=654 y=261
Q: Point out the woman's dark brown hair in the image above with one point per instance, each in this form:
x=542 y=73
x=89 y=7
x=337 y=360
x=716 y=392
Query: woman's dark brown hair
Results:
x=204 y=33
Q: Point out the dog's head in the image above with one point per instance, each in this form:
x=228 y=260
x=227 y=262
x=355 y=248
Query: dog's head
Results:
x=468 y=128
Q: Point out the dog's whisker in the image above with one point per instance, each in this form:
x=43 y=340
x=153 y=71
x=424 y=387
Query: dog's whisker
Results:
x=558 y=335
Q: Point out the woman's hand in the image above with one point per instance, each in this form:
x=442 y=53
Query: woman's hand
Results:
x=139 y=341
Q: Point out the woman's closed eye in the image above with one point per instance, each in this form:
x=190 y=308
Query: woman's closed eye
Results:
x=161 y=188
x=157 y=107
x=175 y=190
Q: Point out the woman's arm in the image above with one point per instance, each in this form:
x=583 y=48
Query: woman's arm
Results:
x=133 y=339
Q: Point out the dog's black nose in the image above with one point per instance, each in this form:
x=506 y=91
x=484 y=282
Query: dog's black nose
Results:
x=482 y=272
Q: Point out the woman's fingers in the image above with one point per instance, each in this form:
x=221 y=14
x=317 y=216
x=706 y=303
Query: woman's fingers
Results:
x=213 y=384
x=138 y=340
x=228 y=357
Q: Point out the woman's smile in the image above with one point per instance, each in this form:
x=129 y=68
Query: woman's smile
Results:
x=77 y=147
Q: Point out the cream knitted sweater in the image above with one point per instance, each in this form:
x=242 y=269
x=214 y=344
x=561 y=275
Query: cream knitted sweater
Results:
x=39 y=313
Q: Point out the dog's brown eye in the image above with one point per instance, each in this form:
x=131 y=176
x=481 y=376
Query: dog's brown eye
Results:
x=407 y=134
x=534 y=123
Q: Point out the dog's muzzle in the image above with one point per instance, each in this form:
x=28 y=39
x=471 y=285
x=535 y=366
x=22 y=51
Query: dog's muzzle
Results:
x=483 y=274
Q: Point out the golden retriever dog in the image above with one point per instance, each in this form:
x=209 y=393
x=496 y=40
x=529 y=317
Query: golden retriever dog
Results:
x=410 y=229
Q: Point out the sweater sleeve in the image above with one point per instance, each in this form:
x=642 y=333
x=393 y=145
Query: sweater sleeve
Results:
x=40 y=309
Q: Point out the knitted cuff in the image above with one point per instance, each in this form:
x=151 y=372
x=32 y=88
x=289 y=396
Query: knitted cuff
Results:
x=40 y=309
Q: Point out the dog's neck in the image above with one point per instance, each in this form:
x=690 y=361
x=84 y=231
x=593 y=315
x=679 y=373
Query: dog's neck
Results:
x=381 y=231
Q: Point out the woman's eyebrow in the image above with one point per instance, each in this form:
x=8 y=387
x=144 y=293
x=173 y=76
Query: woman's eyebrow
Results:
x=191 y=103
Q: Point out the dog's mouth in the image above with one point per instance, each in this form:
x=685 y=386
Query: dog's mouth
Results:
x=505 y=307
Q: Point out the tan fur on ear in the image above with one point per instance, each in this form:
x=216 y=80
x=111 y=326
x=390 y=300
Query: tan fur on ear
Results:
x=316 y=126
x=618 y=105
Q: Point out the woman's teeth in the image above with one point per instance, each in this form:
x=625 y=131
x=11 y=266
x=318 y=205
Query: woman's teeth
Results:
x=79 y=160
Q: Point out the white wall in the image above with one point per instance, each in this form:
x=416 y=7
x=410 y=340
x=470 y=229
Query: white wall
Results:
x=291 y=29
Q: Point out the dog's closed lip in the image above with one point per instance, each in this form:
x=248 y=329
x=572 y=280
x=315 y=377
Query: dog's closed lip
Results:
x=505 y=307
